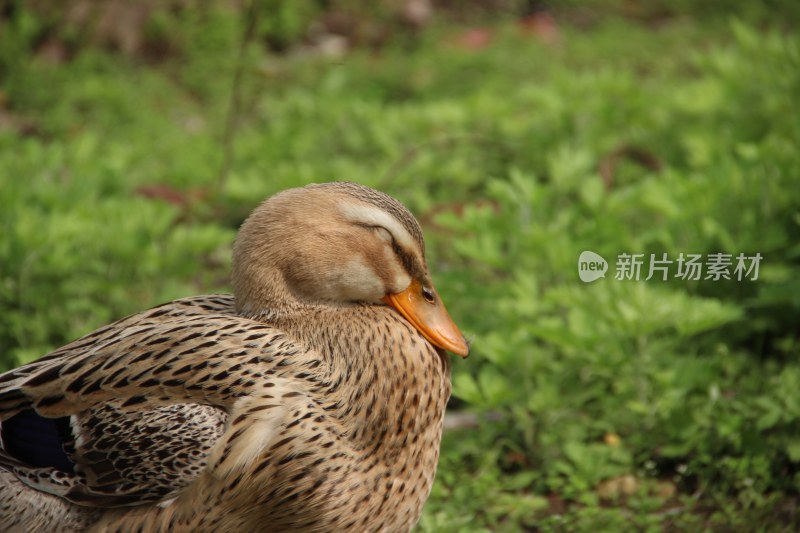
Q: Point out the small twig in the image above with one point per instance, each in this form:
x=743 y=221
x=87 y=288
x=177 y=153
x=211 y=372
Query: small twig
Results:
x=608 y=164
x=235 y=103
x=467 y=420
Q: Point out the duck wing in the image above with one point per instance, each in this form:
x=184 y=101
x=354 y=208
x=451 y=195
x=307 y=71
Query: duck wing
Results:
x=110 y=457
x=129 y=413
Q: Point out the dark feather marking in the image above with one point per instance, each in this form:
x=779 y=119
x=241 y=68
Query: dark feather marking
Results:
x=162 y=353
x=261 y=466
x=134 y=400
x=93 y=387
x=282 y=442
x=158 y=340
x=258 y=408
x=207 y=344
x=43 y=377
x=302 y=474
x=160 y=311
x=72 y=368
x=190 y=337
x=183 y=370
x=114 y=375
x=49 y=401
x=140 y=358
x=163 y=368
x=237 y=434
x=140 y=375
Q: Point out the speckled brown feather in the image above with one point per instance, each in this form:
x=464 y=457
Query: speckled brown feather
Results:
x=192 y=417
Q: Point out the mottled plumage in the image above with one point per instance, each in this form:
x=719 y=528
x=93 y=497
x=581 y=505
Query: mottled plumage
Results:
x=302 y=403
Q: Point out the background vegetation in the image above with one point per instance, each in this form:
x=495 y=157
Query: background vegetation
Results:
x=134 y=139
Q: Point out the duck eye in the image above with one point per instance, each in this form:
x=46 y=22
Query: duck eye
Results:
x=428 y=295
x=383 y=234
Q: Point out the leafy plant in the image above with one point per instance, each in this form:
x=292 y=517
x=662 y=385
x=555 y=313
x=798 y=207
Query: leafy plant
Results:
x=611 y=405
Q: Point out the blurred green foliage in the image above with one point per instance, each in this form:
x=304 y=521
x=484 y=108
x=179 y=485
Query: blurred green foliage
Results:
x=615 y=405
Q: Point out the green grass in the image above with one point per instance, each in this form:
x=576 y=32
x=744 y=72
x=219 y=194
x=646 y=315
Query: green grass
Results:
x=615 y=405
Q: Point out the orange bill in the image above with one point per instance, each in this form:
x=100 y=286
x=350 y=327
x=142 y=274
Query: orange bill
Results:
x=427 y=314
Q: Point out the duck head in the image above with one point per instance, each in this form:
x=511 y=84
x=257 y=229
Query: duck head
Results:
x=339 y=244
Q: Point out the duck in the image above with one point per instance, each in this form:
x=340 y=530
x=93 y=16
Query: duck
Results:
x=310 y=400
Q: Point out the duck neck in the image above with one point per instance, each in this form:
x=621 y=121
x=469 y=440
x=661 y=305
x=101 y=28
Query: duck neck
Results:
x=385 y=382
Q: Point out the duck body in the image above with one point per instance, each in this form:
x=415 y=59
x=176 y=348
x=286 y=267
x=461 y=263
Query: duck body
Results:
x=283 y=412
